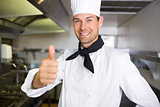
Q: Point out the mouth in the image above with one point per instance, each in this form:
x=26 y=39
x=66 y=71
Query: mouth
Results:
x=84 y=34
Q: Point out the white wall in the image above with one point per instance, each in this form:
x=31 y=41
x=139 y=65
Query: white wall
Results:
x=59 y=40
x=142 y=32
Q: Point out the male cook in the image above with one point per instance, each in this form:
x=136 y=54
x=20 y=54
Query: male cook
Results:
x=93 y=75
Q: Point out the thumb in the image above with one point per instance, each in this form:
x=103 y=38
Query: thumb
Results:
x=51 y=52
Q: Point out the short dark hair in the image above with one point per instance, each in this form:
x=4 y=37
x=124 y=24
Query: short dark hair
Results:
x=97 y=18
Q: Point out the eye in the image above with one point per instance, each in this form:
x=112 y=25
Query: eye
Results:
x=76 y=21
x=89 y=20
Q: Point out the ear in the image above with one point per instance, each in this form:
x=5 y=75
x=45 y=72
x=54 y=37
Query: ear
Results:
x=101 y=21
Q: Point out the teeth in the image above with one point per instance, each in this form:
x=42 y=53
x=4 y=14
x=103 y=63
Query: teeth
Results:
x=84 y=33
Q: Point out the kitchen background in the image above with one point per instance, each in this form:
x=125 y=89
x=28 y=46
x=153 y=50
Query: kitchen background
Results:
x=28 y=27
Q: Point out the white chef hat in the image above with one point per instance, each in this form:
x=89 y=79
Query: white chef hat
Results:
x=86 y=6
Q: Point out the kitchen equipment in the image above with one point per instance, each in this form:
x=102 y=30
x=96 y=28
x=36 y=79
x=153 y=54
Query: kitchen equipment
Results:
x=6 y=53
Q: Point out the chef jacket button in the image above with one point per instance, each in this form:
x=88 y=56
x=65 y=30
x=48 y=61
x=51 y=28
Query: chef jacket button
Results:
x=90 y=93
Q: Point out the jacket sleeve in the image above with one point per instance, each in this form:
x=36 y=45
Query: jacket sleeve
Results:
x=27 y=85
x=135 y=86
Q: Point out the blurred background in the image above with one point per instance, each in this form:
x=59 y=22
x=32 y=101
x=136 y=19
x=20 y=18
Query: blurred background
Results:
x=28 y=27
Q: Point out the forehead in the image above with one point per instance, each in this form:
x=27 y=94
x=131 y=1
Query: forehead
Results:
x=84 y=16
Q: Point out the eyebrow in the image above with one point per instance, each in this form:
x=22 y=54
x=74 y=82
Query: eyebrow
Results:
x=75 y=18
x=90 y=17
x=86 y=18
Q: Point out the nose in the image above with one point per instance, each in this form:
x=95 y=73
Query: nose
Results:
x=83 y=26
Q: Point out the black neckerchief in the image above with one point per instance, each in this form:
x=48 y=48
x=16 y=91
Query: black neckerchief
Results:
x=85 y=53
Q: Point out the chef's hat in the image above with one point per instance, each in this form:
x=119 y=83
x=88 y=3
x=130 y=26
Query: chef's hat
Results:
x=86 y=6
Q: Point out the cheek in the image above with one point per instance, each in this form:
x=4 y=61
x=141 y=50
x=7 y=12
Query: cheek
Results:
x=76 y=28
x=94 y=27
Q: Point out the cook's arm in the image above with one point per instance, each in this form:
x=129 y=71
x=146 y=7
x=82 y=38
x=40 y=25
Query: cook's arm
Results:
x=30 y=91
x=135 y=86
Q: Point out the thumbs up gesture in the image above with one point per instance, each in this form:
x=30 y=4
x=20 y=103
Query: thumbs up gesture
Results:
x=48 y=70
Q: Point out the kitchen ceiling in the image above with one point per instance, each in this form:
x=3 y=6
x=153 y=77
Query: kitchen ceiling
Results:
x=123 y=6
x=28 y=19
x=20 y=16
x=117 y=12
x=12 y=8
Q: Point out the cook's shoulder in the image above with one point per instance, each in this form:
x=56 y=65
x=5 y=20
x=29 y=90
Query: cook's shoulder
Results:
x=116 y=53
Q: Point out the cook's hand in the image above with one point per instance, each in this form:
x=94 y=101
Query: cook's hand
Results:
x=48 y=70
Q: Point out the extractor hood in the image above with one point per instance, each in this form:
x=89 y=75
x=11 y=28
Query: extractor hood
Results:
x=54 y=9
x=19 y=17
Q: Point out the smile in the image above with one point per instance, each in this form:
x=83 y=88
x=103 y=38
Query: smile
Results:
x=85 y=34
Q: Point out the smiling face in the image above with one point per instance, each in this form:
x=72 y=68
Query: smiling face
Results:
x=86 y=27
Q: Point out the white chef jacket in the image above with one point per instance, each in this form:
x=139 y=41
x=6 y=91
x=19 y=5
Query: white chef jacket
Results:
x=113 y=72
